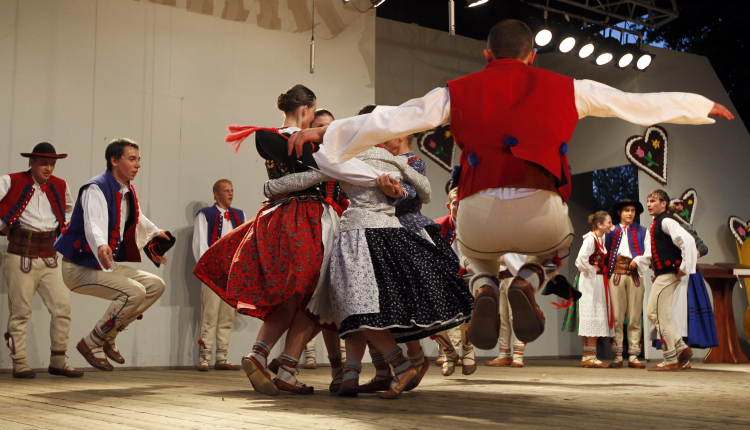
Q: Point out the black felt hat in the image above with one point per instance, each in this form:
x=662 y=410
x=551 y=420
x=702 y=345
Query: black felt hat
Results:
x=626 y=202
x=159 y=246
x=43 y=149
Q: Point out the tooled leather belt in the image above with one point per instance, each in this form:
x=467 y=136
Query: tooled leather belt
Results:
x=32 y=244
x=622 y=267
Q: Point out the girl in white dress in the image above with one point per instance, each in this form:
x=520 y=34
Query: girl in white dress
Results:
x=595 y=307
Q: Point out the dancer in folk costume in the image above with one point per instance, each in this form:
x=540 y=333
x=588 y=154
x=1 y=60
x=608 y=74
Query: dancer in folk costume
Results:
x=211 y=224
x=623 y=244
x=692 y=315
x=322 y=118
x=33 y=208
x=107 y=228
x=388 y=284
x=595 y=306
x=275 y=267
x=511 y=264
x=512 y=191
x=672 y=253
x=451 y=340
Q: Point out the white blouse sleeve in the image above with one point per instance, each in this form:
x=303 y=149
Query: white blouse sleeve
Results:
x=95 y=219
x=69 y=203
x=683 y=240
x=200 y=236
x=354 y=171
x=582 y=261
x=596 y=99
x=644 y=261
x=348 y=137
x=4 y=187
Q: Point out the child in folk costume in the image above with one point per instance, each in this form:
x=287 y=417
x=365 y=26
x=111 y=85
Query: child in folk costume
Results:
x=596 y=319
x=388 y=284
x=672 y=253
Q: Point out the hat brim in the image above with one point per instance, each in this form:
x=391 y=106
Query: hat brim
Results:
x=34 y=154
x=619 y=205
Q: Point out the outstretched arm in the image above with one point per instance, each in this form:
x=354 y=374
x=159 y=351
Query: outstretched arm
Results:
x=596 y=99
x=293 y=182
x=346 y=138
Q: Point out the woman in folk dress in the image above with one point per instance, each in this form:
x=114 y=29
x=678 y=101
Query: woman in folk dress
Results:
x=595 y=307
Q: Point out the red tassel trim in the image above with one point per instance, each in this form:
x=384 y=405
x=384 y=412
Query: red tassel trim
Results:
x=238 y=134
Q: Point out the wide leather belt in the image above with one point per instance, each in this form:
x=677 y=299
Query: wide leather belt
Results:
x=622 y=267
x=32 y=244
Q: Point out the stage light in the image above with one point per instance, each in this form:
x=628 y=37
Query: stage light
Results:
x=472 y=3
x=587 y=49
x=644 y=61
x=607 y=50
x=376 y=3
x=625 y=55
x=567 y=44
x=543 y=36
x=604 y=58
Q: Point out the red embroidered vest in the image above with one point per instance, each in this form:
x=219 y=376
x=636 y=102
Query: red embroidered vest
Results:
x=509 y=114
x=20 y=192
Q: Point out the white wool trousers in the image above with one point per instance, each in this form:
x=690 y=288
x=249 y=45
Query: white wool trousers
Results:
x=26 y=276
x=131 y=292
x=217 y=318
x=627 y=300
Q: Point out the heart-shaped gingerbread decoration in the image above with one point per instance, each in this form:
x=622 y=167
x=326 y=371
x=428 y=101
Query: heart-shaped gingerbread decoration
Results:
x=649 y=152
x=739 y=229
x=438 y=145
x=686 y=205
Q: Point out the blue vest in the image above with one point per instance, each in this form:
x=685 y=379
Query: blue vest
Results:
x=73 y=244
x=213 y=215
x=636 y=241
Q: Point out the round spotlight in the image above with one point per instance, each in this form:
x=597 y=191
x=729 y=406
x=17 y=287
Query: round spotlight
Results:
x=625 y=60
x=604 y=58
x=586 y=50
x=567 y=44
x=543 y=37
x=644 y=61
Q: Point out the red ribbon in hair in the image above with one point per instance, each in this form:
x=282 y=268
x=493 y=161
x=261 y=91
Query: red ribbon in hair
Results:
x=238 y=133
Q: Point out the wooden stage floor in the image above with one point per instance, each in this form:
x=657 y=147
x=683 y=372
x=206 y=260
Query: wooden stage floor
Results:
x=544 y=394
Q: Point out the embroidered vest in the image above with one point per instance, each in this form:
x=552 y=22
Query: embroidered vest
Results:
x=213 y=216
x=18 y=196
x=512 y=123
x=667 y=257
x=73 y=244
x=636 y=238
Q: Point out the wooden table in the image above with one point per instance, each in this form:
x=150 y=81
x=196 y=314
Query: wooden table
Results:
x=721 y=280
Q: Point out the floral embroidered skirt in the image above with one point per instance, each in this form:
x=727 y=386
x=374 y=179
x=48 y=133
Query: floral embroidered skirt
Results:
x=395 y=279
x=264 y=262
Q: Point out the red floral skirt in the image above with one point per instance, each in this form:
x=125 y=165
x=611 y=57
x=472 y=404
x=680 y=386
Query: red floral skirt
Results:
x=265 y=261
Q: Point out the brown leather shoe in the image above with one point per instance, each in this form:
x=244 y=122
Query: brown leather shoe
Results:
x=684 y=357
x=375 y=385
x=422 y=371
x=636 y=365
x=665 y=368
x=528 y=319
x=68 y=373
x=274 y=366
x=686 y=367
x=401 y=383
x=469 y=369
x=88 y=354
x=336 y=380
x=259 y=378
x=112 y=354
x=615 y=365
x=25 y=374
x=516 y=364
x=203 y=366
x=312 y=365
x=349 y=388
x=499 y=362
x=226 y=366
x=440 y=360
x=448 y=368
x=294 y=389
x=459 y=363
x=484 y=328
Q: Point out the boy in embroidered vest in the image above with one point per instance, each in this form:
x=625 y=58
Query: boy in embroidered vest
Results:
x=107 y=228
x=211 y=224
x=623 y=244
x=671 y=252
x=512 y=123
x=33 y=209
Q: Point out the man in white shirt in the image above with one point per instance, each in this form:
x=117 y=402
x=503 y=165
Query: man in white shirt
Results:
x=512 y=123
x=671 y=252
x=108 y=228
x=33 y=209
x=211 y=224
